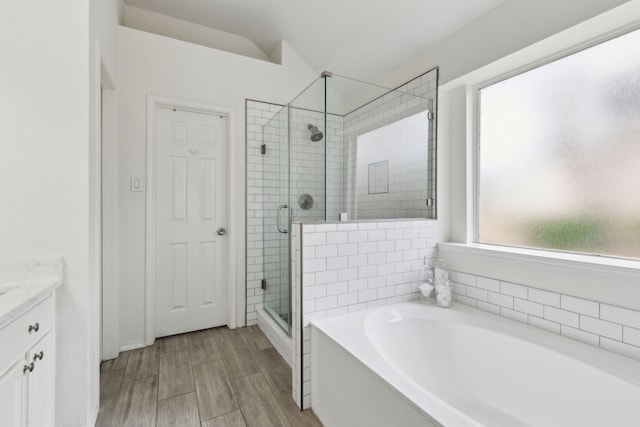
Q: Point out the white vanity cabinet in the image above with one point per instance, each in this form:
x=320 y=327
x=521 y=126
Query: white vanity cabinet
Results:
x=27 y=368
x=12 y=395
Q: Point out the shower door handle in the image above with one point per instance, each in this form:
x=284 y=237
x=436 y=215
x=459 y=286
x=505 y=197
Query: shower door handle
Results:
x=280 y=229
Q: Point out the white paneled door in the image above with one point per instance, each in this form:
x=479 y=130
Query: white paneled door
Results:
x=191 y=209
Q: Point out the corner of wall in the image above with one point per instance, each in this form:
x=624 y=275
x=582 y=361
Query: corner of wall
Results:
x=289 y=57
x=190 y=32
x=276 y=54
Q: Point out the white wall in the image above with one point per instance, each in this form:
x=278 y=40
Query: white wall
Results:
x=45 y=149
x=505 y=29
x=152 y=64
x=164 y=25
x=103 y=20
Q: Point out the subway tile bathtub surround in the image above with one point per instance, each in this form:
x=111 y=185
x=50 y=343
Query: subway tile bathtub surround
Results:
x=613 y=328
x=354 y=266
x=364 y=273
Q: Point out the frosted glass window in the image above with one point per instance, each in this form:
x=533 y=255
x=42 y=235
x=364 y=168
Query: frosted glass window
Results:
x=559 y=154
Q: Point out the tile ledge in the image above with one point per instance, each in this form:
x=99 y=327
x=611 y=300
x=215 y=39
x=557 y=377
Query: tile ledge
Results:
x=579 y=261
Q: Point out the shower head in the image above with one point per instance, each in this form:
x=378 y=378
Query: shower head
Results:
x=316 y=135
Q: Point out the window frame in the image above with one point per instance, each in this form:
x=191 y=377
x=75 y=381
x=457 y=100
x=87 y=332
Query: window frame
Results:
x=474 y=106
x=606 y=280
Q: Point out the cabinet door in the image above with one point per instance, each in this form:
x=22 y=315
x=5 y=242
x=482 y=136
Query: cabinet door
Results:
x=12 y=408
x=41 y=387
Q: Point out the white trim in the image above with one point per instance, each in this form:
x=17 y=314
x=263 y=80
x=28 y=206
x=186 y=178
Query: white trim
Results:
x=473 y=158
x=94 y=338
x=153 y=102
x=110 y=201
x=588 y=263
x=274 y=333
x=608 y=280
x=134 y=346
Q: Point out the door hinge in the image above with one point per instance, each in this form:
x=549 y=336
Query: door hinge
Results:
x=263 y=149
x=263 y=284
x=430 y=115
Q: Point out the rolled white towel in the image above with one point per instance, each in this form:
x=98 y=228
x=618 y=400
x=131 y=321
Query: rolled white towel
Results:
x=426 y=289
x=443 y=301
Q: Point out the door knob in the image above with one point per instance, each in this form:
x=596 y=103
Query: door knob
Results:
x=221 y=231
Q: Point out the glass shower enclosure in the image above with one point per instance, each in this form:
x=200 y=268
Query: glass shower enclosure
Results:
x=311 y=171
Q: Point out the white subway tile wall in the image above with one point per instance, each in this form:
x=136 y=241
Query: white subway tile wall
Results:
x=267 y=188
x=408 y=188
x=353 y=266
x=613 y=328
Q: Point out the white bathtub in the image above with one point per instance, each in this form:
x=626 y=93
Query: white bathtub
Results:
x=410 y=364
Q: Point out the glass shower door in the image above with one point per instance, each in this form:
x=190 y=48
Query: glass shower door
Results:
x=275 y=181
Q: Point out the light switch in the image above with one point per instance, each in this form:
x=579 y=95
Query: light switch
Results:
x=135 y=184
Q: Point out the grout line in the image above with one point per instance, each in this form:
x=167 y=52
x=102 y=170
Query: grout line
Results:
x=157 y=393
x=177 y=395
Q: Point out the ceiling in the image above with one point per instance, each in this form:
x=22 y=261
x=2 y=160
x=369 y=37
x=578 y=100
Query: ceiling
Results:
x=364 y=39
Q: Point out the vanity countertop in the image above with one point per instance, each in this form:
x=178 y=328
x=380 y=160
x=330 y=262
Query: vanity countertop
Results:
x=24 y=283
x=22 y=297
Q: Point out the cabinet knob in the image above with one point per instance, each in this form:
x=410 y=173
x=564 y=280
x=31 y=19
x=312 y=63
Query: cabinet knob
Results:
x=34 y=327
x=28 y=367
x=38 y=356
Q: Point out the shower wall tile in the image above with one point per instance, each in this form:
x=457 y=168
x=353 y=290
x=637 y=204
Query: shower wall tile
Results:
x=613 y=328
x=267 y=252
x=362 y=276
x=308 y=165
x=411 y=192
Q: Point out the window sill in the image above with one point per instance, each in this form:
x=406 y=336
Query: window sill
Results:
x=610 y=280
x=564 y=259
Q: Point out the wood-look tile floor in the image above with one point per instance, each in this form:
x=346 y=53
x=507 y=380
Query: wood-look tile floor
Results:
x=213 y=378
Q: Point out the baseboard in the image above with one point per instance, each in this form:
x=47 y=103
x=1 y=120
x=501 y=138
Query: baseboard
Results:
x=139 y=344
